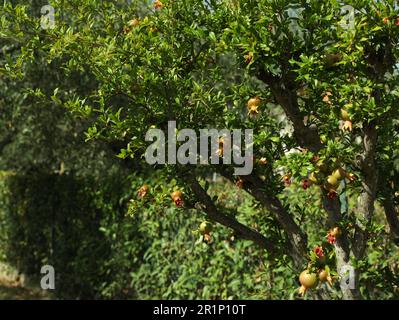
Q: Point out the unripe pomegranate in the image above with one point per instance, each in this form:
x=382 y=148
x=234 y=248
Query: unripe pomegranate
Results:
x=323 y=275
x=176 y=195
x=262 y=161
x=332 y=194
x=313 y=178
x=345 y=115
x=287 y=179
x=351 y=177
x=308 y=281
x=332 y=181
x=253 y=111
x=347 y=126
x=240 y=183
x=322 y=166
x=335 y=232
x=305 y=184
x=158 y=4
x=253 y=102
x=134 y=22
x=249 y=57
x=143 y=191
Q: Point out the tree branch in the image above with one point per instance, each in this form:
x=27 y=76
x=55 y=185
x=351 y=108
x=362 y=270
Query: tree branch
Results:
x=297 y=239
x=214 y=214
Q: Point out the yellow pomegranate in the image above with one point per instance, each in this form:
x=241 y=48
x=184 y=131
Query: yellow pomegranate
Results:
x=307 y=280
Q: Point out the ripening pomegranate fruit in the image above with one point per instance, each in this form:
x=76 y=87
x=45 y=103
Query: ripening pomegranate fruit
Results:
x=240 y=183
x=308 y=280
x=313 y=178
x=335 y=232
x=253 y=102
x=286 y=179
x=134 y=22
x=332 y=181
x=207 y=237
x=351 y=177
x=305 y=184
x=332 y=194
x=221 y=147
x=347 y=126
x=262 y=161
x=143 y=191
x=323 y=275
x=326 y=97
x=176 y=195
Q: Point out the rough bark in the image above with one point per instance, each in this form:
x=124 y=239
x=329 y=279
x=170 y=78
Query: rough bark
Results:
x=369 y=192
x=297 y=240
x=305 y=136
x=342 y=248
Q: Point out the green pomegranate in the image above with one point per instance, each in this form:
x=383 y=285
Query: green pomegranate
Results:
x=339 y=174
x=205 y=227
x=313 y=178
